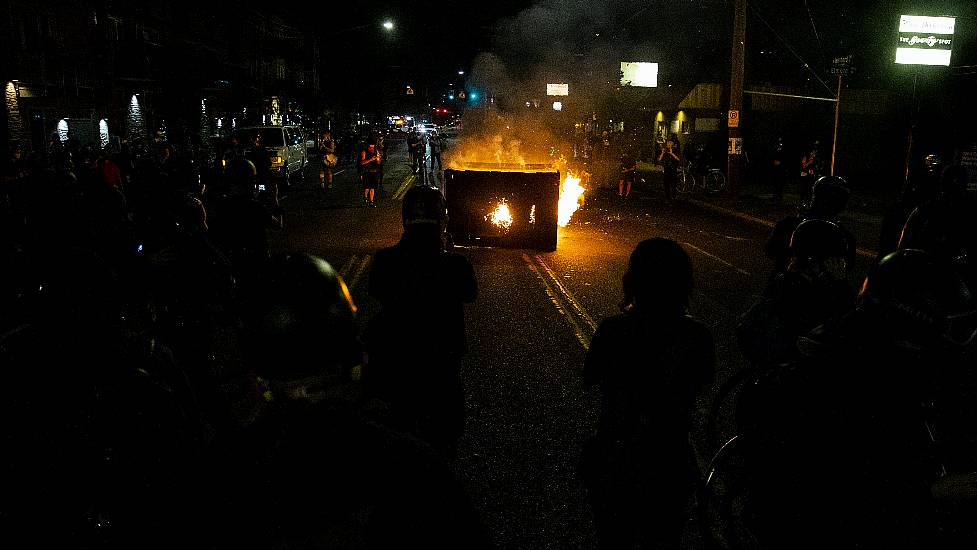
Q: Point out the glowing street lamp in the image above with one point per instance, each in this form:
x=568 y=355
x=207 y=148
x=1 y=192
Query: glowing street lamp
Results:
x=388 y=25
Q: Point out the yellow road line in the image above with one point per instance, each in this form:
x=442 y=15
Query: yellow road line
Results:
x=582 y=336
x=568 y=295
x=402 y=190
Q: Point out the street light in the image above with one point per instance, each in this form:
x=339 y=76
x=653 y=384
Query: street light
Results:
x=388 y=25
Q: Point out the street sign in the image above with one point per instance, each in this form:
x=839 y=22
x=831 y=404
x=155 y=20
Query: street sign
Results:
x=734 y=119
x=410 y=91
x=841 y=66
x=461 y=94
x=735 y=146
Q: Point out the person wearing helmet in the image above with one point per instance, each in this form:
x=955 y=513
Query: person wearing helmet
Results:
x=829 y=196
x=309 y=463
x=944 y=225
x=415 y=343
x=840 y=443
x=812 y=290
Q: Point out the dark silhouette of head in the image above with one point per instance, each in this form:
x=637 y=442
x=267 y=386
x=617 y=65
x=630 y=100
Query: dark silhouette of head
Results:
x=829 y=196
x=659 y=278
x=300 y=320
x=817 y=240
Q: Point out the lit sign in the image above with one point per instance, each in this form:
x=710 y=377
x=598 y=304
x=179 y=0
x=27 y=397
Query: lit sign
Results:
x=644 y=75
x=924 y=40
x=557 y=89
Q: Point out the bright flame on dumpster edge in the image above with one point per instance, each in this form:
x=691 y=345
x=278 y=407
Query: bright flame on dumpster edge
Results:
x=571 y=197
x=501 y=216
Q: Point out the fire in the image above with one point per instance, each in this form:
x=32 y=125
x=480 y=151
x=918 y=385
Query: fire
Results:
x=571 y=197
x=501 y=216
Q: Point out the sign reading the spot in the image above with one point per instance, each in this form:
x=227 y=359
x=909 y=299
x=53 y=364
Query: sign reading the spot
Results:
x=557 y=89
x=924 y=40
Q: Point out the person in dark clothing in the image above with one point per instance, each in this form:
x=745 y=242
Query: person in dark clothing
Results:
x=813 y=290
x=312 y=470
x=778 y=171
x=838 y=446
x=628 y=170
x=416 y=342
x=260 y=157
x=670 y=157
x=238 y=222
x=828 y=199
x=650 y=362
x=370 y=166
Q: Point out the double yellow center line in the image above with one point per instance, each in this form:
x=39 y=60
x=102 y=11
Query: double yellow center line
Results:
x=580 y=321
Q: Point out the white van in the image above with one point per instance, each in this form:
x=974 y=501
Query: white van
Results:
x=286 y=145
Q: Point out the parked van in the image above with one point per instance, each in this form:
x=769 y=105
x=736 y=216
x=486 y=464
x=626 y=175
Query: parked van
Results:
x=286 y=145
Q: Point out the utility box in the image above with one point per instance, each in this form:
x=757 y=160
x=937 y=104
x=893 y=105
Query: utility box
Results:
x=500 y=205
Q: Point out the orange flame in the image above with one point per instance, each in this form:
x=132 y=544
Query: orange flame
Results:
x=571 y=198
x=501 y=216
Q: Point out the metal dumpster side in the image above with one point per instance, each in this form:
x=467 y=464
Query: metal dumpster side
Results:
x=531 y=194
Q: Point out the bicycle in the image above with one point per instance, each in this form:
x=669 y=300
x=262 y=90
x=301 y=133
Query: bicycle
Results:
x=713 y=181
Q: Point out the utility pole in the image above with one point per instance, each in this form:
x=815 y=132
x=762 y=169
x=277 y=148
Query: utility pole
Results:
x=735 y=147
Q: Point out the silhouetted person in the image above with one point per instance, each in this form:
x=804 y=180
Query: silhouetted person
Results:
x=238 y=222
x=98 y=426
x=311 y=471
x=837 y=446
x=829 y=197
x=416 y=341
x=650 y=362
x=813 y=290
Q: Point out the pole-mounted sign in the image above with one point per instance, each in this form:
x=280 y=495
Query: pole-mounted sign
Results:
x=924 y=40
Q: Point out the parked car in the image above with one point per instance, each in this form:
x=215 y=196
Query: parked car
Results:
x=286 y=145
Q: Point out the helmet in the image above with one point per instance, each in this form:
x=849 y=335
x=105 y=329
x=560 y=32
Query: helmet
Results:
x=425 y=206
x=829 y=196
x=818 y=240
x=923 y=297
x=300 y=319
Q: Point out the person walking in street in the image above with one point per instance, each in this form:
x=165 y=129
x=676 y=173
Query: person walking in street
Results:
x=650 y=362
x=437 y=145
x=329 y=160
x=628 y=169
x=670 y=159
x=370 y=172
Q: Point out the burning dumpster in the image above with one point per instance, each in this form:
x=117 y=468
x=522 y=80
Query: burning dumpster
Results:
x=512 y=206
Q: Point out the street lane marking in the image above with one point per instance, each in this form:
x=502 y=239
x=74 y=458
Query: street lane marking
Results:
x=717 y=258
x=568 y=295
x=582 y=336
x=402 y=190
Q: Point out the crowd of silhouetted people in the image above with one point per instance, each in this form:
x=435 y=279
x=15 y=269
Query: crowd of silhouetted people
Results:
x=171 y=381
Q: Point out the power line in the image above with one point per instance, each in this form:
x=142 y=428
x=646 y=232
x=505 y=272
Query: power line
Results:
x=791 y=50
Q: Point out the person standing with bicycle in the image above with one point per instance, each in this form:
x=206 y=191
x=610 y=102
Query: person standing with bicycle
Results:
x=670 y=159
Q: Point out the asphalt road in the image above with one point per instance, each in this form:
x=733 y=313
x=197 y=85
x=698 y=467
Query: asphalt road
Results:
x=528 y=331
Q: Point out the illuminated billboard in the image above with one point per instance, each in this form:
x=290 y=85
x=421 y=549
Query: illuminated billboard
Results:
x=924 y=40
x=644 y=75
x=557 y=89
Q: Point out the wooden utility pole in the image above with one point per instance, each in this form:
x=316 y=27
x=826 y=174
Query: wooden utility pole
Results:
x=834 y=136
x=735 y=143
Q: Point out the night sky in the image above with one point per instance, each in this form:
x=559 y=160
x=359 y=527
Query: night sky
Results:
x=689 y=38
